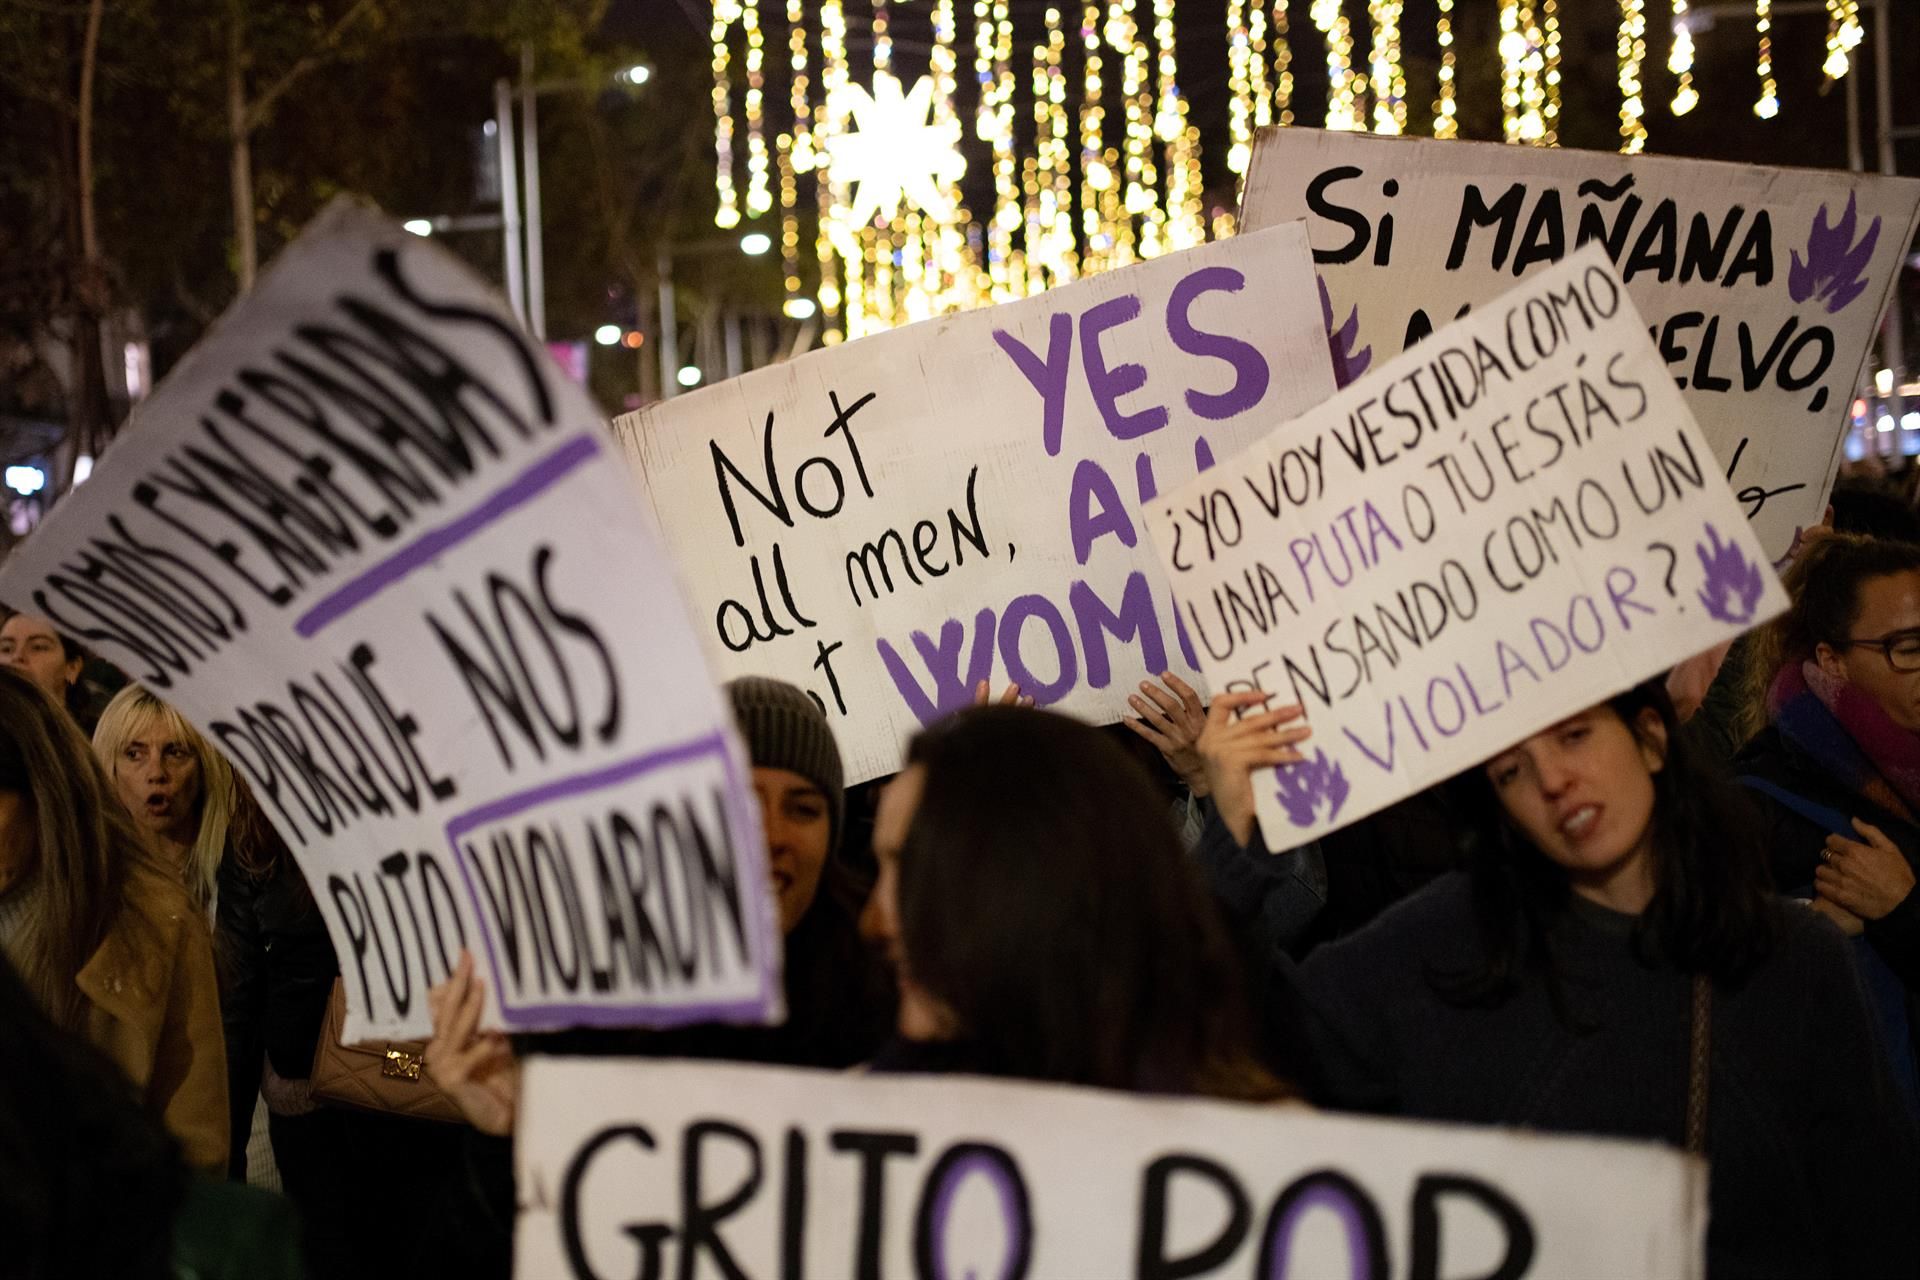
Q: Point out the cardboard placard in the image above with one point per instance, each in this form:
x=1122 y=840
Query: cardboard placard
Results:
x=361 y=538
x=1495 y=529
x=709 y=1169
x=888 y=522
x=1763 y=287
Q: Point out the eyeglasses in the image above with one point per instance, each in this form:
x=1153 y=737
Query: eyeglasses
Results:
x=1901 y=649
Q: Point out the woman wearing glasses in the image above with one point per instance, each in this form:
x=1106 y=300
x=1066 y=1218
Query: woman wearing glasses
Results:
x=1837 y=762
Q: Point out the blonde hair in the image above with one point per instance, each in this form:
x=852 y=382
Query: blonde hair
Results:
x=130 y=713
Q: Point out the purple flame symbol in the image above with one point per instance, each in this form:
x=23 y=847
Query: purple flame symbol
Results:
x=1310 y=786
x=1348 y=364
x=1733 y=584
x=1832 y=268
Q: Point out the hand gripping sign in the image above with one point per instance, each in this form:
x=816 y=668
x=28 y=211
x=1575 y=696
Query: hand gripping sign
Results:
x=362 y=537
x=1763 y=287
x=710 y=1169
x=1518 y=519
x=889 y=522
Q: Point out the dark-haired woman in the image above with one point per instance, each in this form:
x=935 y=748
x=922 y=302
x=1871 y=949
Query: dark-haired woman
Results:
x=102 y=932
x=1614 y=963
x=34 y=647
x=1043 y=921
x=1837 y=761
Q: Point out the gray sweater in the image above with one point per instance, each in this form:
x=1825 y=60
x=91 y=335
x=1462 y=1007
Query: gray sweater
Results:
x=1815 y=1165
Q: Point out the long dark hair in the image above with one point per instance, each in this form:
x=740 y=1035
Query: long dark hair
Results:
x=1709 y=912
x=1044 y=899
x=1824 y=584
x=85 y=841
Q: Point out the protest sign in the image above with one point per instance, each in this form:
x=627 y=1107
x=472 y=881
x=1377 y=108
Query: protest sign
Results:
x=362 y=537
x=696 y=1170
x=1485 y=534
x=1763 y=287
x=888 y=522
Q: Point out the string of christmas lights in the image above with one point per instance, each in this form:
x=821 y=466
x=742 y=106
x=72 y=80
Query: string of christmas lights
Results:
x=1631 y=49
x=1283 y=63
x=1843 y=36
x=759 y=198
x=1388 y=76
x=1680 y=61
x=1551 y=10
x=1768 y=104
x=1345 y=109
x=725 y=12
x=1112 y=172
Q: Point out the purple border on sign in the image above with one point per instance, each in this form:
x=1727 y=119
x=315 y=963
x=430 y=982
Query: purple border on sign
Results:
x=535 y=480
x=536 y=1016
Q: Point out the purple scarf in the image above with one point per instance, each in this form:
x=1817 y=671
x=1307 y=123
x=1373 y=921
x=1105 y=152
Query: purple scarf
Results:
x=1849 y=735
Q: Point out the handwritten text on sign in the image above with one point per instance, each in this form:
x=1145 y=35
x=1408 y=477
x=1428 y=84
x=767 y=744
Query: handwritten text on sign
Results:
x=747 y=1171
x=1517 y=519
x=1762 y=288
x=886 y=523
x=361 y=539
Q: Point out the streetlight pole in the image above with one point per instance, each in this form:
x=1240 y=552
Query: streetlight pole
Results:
x=509 y=197
x=669 y=343
x=536 y=309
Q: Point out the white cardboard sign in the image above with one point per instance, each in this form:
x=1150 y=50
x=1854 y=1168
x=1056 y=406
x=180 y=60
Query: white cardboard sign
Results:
x=361 y=537
x=1483 y=535
x=711 y=1170
x=1763 y=287
x=888 y=522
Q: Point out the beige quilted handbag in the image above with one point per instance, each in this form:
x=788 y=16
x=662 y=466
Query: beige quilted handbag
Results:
x=387 y=1076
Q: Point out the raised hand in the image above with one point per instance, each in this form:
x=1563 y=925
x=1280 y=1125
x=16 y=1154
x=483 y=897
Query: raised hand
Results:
x=475 y=1068
x=1234 y=748
x=1171 y=719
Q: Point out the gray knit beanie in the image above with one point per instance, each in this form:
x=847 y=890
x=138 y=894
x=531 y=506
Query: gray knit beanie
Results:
x=785 y=730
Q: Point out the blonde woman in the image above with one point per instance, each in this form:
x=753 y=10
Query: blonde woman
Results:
x=180 y=791
x=105 y=937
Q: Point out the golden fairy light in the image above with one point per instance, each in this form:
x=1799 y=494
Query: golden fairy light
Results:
x=725 y=13
x=1551 y=30
x=1768 y=105
x=1680 y=61
x=1843 y=36
x=1239 y=86
x=1631 y=49
x=1283 y=64
x=1345 y=110
x=759 y=198
x=1389 y=77
x=1446 y=119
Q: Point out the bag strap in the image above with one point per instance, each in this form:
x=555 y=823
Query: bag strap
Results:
x=1834 y=821
x=1699 y=1063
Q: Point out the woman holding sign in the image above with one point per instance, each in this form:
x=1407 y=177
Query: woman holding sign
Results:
x=102 y=931
x=1614 y=963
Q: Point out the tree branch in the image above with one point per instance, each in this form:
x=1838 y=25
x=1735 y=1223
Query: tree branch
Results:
x=327 y=49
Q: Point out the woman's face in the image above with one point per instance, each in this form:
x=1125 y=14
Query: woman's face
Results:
x=16 y=838
x=30 y=645
x=1582 y=794
x=799 y=824
x=1887 y=605
x=157 y=777
x=921 y=1016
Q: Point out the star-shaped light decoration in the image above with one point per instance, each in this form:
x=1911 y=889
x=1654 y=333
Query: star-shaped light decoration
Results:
x=896 y=154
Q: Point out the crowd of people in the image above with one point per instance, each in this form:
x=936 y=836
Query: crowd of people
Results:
x=1695 y=926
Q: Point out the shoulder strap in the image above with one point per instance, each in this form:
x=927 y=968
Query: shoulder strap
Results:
x=1831 y=820
x=1699 y=1064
